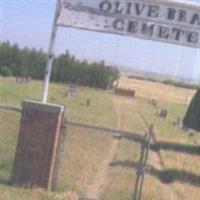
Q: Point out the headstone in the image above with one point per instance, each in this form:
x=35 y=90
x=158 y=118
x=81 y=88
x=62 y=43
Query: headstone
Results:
x=88 y=103
x=35 y=158
x=163 y=113
x=178 y=122
x=72 y=90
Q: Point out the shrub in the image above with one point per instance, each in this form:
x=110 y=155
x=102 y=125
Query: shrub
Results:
x=5 y=71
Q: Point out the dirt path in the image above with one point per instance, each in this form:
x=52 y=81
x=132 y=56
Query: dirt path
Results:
x=96 y=190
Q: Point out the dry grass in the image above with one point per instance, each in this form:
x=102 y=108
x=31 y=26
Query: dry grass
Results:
x=181 y=167
x=157 y=91
x=85 y=151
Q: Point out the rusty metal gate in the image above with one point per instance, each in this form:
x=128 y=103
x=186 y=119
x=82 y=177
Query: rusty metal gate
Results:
x=92 y=162
x=102 y=163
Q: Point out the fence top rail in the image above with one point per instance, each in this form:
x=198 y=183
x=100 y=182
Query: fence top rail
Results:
x=121 y=134
x=9 y=107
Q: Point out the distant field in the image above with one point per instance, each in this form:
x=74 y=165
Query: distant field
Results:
x=157 y=91
x=85 y=151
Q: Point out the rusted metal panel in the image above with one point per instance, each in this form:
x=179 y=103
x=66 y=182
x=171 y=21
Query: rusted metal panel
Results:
x=37 y=145
x=166 y=21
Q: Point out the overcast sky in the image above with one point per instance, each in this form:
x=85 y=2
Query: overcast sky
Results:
x=28 y=23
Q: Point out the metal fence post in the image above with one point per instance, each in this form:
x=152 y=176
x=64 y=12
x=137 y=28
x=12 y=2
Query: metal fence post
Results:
x=142 y=169
x=138 y=178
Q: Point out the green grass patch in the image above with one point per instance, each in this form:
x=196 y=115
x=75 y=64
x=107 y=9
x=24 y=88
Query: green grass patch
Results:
x=86 y=149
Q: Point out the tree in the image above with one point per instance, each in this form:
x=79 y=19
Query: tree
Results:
x=66 y=68
x=5 y=71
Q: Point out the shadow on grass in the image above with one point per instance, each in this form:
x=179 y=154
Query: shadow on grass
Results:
x=135 y=137
x=182 y=148
x=170 y=146
x=166 y=176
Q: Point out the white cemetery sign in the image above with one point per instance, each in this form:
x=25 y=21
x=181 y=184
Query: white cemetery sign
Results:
x=160 y=20
x=164 y=20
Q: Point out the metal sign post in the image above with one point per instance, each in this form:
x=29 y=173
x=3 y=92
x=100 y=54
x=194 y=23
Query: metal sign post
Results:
x=50 y=54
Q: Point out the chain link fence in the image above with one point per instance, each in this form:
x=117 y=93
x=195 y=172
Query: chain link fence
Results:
x=9 y=128
x=92 y=162
x=100 y=163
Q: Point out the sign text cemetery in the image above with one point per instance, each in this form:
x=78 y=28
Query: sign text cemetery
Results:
x=166 y=21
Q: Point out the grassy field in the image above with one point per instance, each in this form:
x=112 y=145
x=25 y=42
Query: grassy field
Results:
x=85 y=151
x=158 y=91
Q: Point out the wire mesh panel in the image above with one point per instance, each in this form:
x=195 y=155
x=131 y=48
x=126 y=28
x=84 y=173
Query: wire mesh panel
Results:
x=9 y=128
x=99 y=163
x=92 y=162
